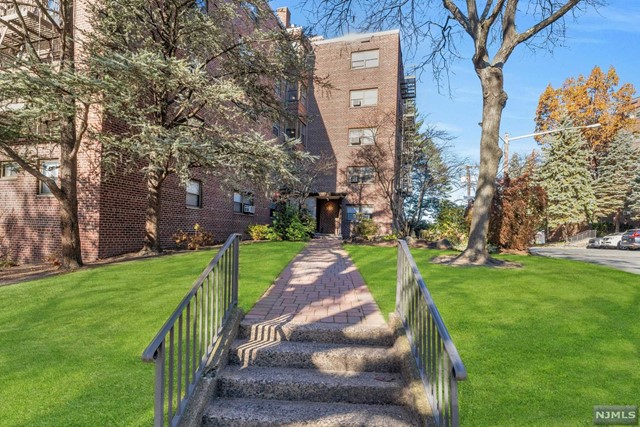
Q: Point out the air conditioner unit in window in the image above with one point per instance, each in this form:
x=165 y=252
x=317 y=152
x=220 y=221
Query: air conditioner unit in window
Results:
x=354 y=179
x=249 y=209
x=357 y=102
x=355 y=140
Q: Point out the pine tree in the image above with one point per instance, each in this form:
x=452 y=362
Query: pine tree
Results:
x=617 y=171
x=564 y=175
x=633 y=203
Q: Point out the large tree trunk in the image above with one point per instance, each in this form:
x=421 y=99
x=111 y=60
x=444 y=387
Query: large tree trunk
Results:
x=152 y=218
x=69 y=223
x=494 y=101
x=617 y=218
x=68 y=171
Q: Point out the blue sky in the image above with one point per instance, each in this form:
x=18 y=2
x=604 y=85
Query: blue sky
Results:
x=607 y=37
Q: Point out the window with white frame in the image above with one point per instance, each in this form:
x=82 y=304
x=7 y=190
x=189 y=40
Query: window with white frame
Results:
x=360 y=175
x=355 y=212
x=363 y=98
x=362 y=136
x=8 y=170
x=243 y=203
x=194 y=194
x=48 y=168
x=365 y=59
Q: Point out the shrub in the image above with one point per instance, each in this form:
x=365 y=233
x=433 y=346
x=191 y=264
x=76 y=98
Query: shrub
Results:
x=292 y=224
x=259 y=231
x=365 y=227
x=193 y=241
x=450 y=224
x=389 y=237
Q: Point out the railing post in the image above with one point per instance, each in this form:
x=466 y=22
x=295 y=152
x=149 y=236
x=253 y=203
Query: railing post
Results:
x=453 y=387
x=399 y=278
x=236 y=269
x=158 y=406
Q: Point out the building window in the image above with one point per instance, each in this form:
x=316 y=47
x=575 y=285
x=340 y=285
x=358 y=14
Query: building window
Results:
x=355 y=212
x=364 y=98
x=194 y=194
x=275 y=129
x=360 y=175
x=243 y=203
x=362 y=136
x=48 y=168
x=365 y=59
x=8 y=170
x=296 y=130
x=292 y=92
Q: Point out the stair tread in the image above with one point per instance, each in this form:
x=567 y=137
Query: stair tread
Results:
x=310 y=355
x=310 y=376
x=262 y=413
x=307 y=346
x=318 y=332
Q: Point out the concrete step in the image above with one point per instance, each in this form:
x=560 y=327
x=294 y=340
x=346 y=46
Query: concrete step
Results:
x=312 y=385
x=318 y=332
x=309 y=355
x=268 y=413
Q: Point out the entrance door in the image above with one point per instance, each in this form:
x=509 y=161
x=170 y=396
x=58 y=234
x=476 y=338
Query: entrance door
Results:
x=329 y=216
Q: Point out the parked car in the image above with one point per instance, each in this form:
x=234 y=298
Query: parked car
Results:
x=612 y=241
x=631 y=239
x=595 y=243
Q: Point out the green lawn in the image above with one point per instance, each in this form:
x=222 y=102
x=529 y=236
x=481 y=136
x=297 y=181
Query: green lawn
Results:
x=542 y=345
x=70 y=345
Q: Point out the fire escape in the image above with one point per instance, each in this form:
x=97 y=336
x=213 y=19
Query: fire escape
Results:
x=408 y=94
x=27 y=25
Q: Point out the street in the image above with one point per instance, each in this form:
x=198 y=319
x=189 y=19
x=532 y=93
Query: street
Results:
x=622 y=260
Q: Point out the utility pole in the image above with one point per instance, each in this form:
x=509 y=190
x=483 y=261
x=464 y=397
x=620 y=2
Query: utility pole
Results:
x=506 y=154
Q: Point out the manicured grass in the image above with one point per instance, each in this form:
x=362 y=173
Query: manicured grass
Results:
x=70 y=345
x=542 y=345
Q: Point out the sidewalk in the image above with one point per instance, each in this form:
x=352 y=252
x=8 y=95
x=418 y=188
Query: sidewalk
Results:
x=321 y=284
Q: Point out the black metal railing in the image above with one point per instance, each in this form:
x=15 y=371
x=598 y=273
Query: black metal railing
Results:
x=436 y=356
x=182 y=347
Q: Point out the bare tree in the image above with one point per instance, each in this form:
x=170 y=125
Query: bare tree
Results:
x=492 y=26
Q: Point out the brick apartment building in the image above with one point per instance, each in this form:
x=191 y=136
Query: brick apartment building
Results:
x=370 y=102
x=112 y=207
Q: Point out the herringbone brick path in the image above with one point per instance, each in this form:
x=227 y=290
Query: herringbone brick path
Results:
x=321 y=284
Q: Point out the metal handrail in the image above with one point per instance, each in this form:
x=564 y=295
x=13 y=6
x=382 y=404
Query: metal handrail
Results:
x=199 y=318
x=429 y=340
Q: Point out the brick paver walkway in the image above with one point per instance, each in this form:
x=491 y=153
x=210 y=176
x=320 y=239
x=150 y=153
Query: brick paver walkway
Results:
x=321 y=284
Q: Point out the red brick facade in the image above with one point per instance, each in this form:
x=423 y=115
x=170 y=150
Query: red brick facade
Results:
x=333 y=115
x=112 y=205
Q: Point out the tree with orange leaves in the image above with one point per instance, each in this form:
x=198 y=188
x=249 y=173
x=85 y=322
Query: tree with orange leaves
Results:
x=597 y=98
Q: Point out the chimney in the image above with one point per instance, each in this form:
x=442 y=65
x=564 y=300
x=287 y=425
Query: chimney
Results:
x=284 y=16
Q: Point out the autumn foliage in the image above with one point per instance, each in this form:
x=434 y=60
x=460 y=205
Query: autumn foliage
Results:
x=588 y=100
x=517 y=211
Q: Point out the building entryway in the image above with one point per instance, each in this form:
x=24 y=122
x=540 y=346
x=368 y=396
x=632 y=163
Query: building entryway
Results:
x=329 y=216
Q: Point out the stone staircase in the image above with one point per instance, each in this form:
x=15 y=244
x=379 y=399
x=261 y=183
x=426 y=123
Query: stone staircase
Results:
x=313 y=375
